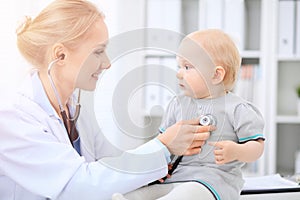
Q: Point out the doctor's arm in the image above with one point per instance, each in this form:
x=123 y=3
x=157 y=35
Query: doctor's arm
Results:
x=135 y=168
x=39 y=161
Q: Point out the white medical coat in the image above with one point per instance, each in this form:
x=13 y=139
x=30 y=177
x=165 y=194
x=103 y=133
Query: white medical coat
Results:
x=37 y=160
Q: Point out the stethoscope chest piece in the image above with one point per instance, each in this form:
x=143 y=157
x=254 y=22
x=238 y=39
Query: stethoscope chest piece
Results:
x=208 y=119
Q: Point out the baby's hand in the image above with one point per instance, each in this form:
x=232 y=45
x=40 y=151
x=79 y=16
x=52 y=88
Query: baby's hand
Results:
x=225 y=151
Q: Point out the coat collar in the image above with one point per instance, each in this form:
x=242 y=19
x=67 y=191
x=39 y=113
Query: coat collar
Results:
x=34 y=90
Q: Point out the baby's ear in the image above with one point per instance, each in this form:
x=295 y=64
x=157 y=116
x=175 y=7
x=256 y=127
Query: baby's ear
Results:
x=219 y=74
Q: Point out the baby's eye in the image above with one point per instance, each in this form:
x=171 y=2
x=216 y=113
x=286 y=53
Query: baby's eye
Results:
x=187 y=67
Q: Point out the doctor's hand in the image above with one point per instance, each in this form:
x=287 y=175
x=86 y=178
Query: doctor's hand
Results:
x=185 y=137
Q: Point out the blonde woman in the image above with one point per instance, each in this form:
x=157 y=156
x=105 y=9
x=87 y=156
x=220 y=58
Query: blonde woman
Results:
x=45 y=153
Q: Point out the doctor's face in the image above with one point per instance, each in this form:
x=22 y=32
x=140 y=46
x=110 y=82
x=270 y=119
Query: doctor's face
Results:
x=90 y=58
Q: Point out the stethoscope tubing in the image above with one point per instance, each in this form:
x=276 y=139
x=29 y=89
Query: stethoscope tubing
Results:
x=53 y=85
x=63 y=113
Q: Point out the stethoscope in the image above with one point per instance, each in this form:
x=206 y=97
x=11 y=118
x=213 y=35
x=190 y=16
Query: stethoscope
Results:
x=205 y=120
x=72 y=133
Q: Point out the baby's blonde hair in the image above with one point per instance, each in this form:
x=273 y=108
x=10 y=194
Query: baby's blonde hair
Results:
x=62 y=21
x=222 y=51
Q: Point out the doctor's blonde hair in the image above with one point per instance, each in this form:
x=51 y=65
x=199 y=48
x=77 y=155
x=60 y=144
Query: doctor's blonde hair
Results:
x=62 y=21
x=222 y=51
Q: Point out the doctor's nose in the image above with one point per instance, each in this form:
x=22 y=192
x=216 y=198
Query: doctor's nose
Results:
x=106 y=62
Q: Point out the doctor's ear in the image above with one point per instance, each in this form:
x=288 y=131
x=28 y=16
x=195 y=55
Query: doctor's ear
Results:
x=59 y=52
x=219 y=74
x=62 y=57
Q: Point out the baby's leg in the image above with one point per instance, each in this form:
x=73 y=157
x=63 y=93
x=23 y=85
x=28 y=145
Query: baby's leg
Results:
x=149 y=192
x=189 y=190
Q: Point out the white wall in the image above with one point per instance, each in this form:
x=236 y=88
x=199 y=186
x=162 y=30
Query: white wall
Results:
x=12 y=65
x=121 y=17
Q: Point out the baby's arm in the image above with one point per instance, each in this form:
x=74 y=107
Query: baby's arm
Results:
x=228 y=151
x=248 y=125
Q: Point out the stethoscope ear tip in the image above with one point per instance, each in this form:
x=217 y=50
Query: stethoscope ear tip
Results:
x=62 y=56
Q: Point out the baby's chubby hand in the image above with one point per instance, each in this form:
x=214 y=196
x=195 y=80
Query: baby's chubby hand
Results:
x=225 y=151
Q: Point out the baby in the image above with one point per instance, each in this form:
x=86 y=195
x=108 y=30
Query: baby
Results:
x=209 y=62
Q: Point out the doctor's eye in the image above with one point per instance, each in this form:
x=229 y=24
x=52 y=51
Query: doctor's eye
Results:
x=98 y=52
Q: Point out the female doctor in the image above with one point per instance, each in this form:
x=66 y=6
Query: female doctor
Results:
x=45 y=152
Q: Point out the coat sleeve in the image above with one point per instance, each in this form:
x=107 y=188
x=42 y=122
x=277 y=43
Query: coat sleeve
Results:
x=35 y=159
x=122 y=174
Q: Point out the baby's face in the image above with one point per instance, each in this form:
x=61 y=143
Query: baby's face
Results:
x=196 y=69
x=191 y=81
